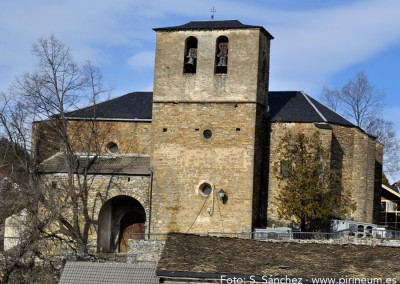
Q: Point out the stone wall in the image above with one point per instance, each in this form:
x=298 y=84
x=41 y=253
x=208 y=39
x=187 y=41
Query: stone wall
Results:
x=45 y=140
x=88 y=137
x=144 y=250
x=232 y=107
x=247 y=75
x=131 y=137
x=183 y=160
x=355 y=160
x=277 y=132
x=355 y=155
x=102 y=188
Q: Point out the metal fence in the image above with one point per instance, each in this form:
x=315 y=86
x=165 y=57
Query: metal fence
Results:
x=287 y=235
x=63 y=249
x=344 y=234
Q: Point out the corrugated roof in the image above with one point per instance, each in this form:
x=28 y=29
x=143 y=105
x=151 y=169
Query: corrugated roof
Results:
x=108 y=273
x=105 y=164
x=211 y=25
x=192 y=256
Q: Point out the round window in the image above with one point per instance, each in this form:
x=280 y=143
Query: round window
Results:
x=112 y=147
x=207 y=134
x=206 y=189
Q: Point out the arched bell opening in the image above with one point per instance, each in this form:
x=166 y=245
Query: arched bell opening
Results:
x=121 y=218
x=190 y=60
x=221 y=55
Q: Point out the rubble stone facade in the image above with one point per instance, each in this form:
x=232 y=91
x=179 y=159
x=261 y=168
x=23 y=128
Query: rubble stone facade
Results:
x=210 y=139
x=232 y=108
x=356 y=160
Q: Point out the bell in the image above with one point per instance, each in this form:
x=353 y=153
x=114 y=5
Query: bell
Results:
x=222 y=61
x=190 y=66
x=190 y=61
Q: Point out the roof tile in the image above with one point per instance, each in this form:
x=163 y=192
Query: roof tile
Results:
x=209 y=257
x=108 y=273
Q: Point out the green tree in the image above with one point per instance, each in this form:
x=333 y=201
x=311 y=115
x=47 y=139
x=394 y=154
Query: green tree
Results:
x=306 y=183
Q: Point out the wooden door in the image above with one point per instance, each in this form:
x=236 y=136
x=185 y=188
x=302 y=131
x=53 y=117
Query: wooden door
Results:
x=134 y=231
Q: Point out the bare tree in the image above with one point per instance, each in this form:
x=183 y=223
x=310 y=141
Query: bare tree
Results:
x=358 y=100
x=331 y=98
x=61 y=214
x=361 y=102
x=385 y=133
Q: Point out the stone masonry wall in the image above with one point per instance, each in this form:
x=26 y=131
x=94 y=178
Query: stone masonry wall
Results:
x=355 y=154
x=355 y=157
x=248 y=57
x=145 y=250
x=131 y=137
x=277 y=132
x=89 y=137
x=45 y=140
x=187 y=104
x=342 y=158
x=102 y=188
x=182 y=160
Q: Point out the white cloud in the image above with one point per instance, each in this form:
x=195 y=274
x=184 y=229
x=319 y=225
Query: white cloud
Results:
x=312 y=46
x=309 y=45
x=143 y=59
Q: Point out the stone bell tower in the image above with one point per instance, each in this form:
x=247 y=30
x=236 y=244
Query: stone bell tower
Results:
x=209 y=127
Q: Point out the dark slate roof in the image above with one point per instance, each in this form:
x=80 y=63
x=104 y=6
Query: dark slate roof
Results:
x=299 y=107
x=394 y=188
x=108 y=273
x=105 y=164
x=211 y=25
x=390 y=192
x=285 y=106
x=192 y=256
x=136 y=105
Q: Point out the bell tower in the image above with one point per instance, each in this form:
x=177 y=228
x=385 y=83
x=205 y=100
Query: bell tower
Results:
x=209 y=127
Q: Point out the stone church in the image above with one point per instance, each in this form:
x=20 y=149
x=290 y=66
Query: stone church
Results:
x=194 y=155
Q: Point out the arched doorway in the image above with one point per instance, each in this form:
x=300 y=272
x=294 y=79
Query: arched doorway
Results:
x=121 y=218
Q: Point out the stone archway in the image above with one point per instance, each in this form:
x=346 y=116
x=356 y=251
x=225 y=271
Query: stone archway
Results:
x=119 y=217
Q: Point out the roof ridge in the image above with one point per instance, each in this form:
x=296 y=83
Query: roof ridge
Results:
x=313 y=105
x=335 y=112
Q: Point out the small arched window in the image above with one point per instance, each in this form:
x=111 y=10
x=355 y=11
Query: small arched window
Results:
x=190 y=57
x=221 y=55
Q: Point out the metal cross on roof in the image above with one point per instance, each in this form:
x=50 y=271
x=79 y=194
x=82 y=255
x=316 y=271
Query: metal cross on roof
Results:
x=213 y=13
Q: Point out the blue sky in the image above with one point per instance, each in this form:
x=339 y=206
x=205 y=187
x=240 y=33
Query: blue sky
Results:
x=316 y=42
